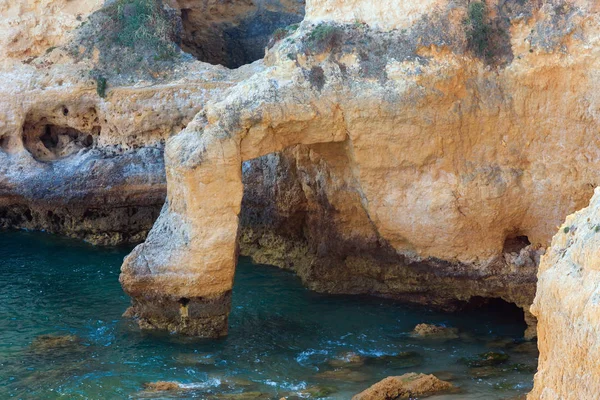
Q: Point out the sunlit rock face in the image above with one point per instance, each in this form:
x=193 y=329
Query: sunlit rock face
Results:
x=378 y=148
x=29 y=28
x=74 y=160
x=422 y=163
x=568 y=310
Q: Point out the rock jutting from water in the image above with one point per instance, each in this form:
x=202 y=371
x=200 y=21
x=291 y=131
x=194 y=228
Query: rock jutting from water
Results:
x=449 y=206
x=407 y=386
x=423 y=152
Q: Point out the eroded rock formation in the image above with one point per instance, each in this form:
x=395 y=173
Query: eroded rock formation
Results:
x=437 y=154
x=567 y=305
x=77 y=161
x=378 y=149
x=405 y=386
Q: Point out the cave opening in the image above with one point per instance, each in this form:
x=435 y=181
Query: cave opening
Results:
x=49 y=142
x=497 y=308
x=515 y=243
x=234 y=33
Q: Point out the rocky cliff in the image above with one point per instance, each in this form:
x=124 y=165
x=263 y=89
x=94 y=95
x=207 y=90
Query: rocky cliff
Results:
x=567 y=308
x=423 y=151
x=408 y=150
x=423 y=155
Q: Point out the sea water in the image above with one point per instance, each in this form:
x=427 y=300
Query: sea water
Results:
x=283 y=341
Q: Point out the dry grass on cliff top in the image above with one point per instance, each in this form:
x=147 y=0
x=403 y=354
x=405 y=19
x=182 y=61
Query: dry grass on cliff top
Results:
x=130 y=38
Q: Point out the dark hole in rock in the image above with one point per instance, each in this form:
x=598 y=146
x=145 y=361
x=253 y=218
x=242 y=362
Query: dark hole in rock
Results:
x=234 y=33
x=28 y=216
x=65 y=111
x=515 y=244
x=499 y=309
x=48 y=142
x=184 y=301
x=5 y=142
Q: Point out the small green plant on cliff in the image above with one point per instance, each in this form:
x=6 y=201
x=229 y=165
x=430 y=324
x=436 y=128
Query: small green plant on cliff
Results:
x=478 y=30
x=143 y=23
x=101 y=86
x=282 y=33
x=324 y=37
x=322 y=32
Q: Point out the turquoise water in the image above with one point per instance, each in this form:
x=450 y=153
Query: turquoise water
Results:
x=282 y=336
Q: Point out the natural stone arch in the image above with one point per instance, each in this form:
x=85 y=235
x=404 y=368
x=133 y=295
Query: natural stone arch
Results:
x=182 y=276
x=447 y=159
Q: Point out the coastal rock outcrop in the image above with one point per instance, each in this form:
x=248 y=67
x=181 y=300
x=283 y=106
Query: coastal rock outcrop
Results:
x=426 y=151
x=81 y=151
x=567 y=305
x=406 y=386
x=372 y=151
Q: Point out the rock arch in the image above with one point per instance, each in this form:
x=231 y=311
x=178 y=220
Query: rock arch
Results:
x=448 y=154
x=191 y=251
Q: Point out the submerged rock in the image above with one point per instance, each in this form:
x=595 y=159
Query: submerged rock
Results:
x=318 y=392
x=49 y=343
x=349 y=359
x=343 y=374
x=485 y=359
x=445 y=375
x=404 y=387
x=242 y=396
x=486 y=372
x=500 y=343
x=530 y=347
x=195 y=359
x=161 y=386
x=431 y=331
x=403 y=359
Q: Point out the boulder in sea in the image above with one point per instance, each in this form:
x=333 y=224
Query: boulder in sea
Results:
x=349 y=359
x=488 y=359
x=52 y=343
x=404 y=387
x=161 y=386
x=430 y=331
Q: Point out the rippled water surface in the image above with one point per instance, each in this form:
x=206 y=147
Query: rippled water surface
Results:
x=281 y=343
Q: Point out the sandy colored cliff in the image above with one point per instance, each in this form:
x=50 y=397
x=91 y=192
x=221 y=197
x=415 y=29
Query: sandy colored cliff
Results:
x=372 y=151
x=441 y=147
x=567 y=308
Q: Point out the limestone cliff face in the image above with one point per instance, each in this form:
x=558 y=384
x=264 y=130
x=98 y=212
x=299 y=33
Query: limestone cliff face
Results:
x=30 y=28
x=568 y=310
x=424 y=149
x=378 y=149
x=78 y=162
x=74 y=162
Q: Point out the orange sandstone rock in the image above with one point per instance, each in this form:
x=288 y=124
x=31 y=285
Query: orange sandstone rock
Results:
x=405 y=386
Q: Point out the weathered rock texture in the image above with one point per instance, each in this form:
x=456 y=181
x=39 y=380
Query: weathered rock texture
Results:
x=73 y=161
x=428 y=157
x=567 y=305
x=30 y=28
x=406 y=386
x=376 y=150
